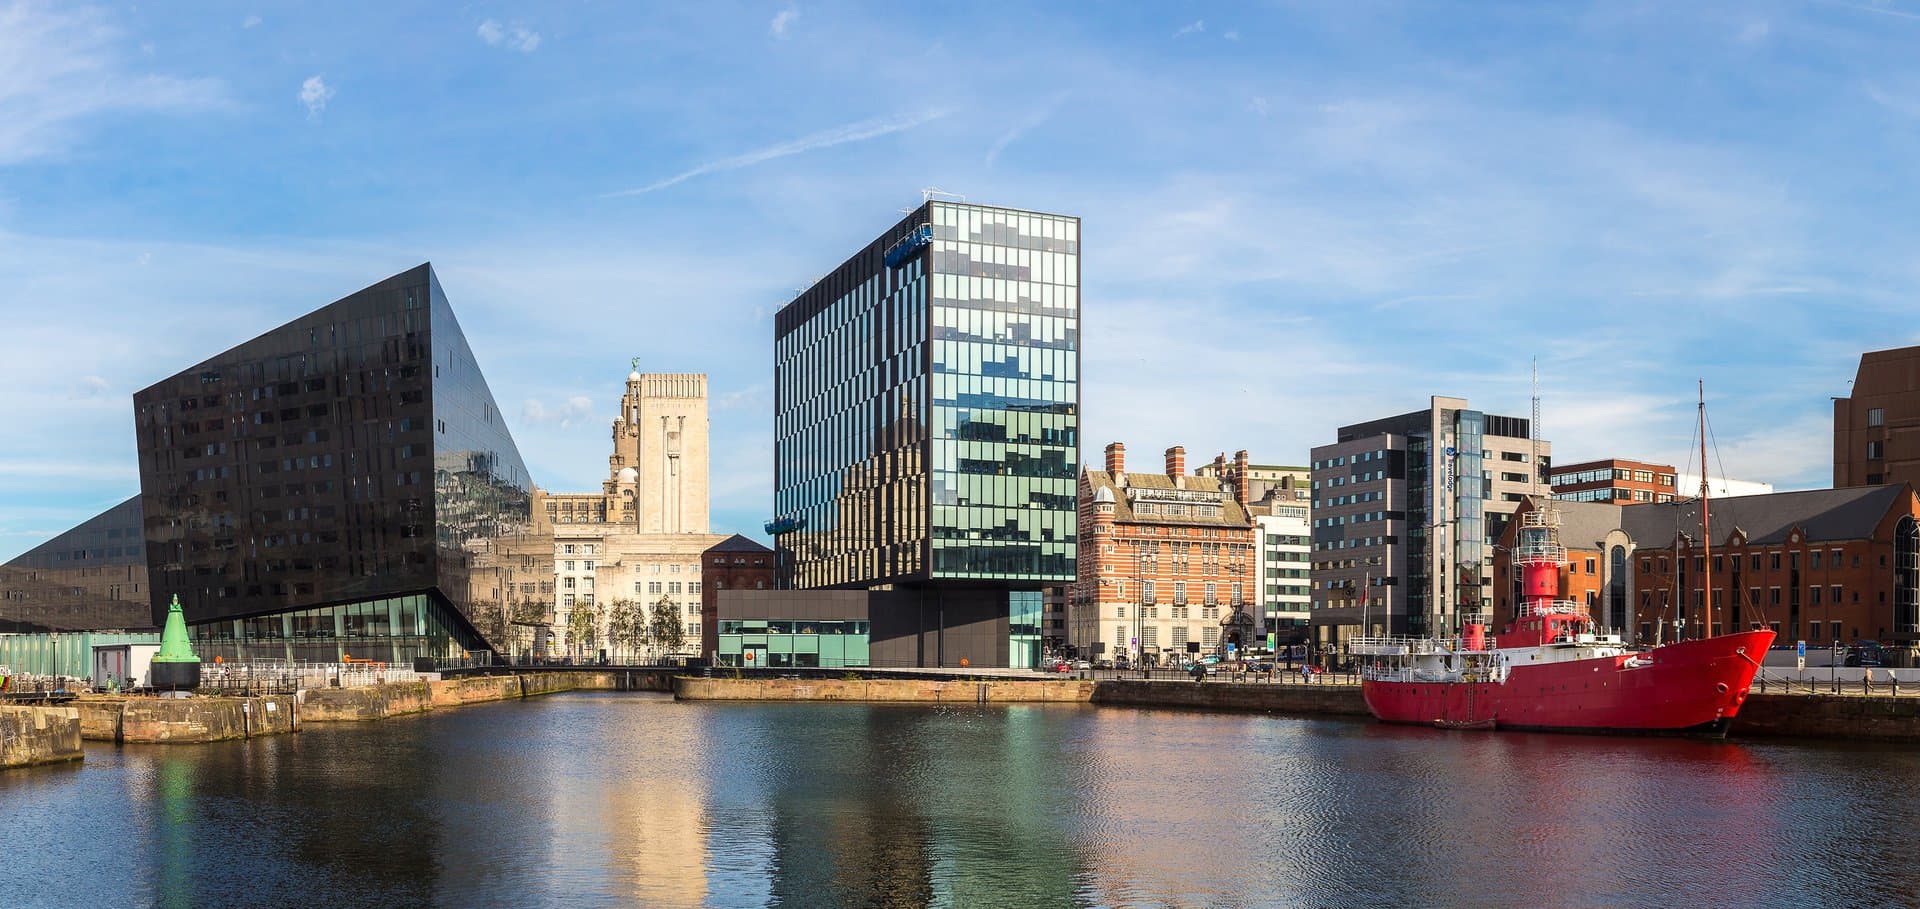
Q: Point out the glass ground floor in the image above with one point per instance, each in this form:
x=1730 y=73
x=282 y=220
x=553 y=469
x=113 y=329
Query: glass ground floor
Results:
x=391 y=630
x=762 y=643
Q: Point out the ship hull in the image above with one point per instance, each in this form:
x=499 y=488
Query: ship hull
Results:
x=1692 y=687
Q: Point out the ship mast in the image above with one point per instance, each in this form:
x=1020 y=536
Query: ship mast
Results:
x=1706 y=523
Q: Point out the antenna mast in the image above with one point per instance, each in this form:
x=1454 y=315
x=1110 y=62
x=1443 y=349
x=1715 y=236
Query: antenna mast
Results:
x=1533 y=428
x=1706 y=524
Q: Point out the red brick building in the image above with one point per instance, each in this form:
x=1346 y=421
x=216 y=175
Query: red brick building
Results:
x=1818 y=565
x=1876 y=428
x=734 y=563
x=1614 y=480
x=1167 y=561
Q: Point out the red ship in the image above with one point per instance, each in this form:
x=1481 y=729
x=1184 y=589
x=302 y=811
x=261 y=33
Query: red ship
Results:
x=1552 y=670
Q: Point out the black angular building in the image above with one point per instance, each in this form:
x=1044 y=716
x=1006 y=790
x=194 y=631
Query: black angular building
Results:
x=90 y=578
x=322 y=490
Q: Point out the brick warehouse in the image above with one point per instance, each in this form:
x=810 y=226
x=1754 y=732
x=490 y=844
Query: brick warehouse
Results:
x=1820 y=565
x=1166 y=561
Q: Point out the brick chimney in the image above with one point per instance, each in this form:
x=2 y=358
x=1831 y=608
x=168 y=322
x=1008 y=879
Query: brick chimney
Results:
x=1241 y=481
x=1177 y=466
x=1220 y=467
x=1116 y=458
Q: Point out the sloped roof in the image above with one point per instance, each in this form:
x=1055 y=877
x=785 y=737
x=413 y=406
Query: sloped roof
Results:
x=1231 y=513
x=1824 y=514
x=1585 y=525
x=737 y=543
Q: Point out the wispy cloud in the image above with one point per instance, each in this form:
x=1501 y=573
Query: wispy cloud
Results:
x=1197 y=25
x=576 y=409
x=1882 y=10
x=61 y=65
x=315 y=93
x=250 y=22
x=782 y=21
x=1039 y=116
x=1898 y=102
x=839 y=135
x=516 y=37
x=1230 y=35
x=1754 y=32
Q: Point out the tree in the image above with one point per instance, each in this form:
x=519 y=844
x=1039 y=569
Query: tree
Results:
x=582 y=622
x=622 y=616
x=665 y=628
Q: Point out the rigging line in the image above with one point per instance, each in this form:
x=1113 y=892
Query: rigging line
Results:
x=1715 y=439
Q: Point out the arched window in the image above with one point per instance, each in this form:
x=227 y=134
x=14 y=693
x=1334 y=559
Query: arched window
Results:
x=1617 y=589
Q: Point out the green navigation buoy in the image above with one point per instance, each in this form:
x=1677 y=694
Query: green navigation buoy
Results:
x=175 y=667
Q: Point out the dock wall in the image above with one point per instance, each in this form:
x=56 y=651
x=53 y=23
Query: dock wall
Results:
x=909 y=691
x=1326 y=700
x=38 y=735
x=183 y=720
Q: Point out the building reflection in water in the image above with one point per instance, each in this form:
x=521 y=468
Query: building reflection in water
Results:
x=627 y=799
x=899 y=807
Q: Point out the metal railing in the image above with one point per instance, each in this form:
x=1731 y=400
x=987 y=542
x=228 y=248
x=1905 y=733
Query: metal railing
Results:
x=1838 y=680
x=284 y=677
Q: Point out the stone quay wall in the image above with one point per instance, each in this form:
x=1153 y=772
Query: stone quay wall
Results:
x=184 y=720
x=377 y=702
x=1326 y=700
x=1875 y=718
x=39 y=735
x=912 y=691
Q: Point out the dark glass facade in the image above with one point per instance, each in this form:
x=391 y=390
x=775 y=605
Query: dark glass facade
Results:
x=89 y=578
x=926 y=430
x=338 y=473
x=927 y=405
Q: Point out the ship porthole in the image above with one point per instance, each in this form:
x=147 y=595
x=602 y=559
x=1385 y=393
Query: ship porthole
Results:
x=1720 y=687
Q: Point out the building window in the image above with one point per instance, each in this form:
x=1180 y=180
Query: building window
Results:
x=1875 y=451
x=1876 y=416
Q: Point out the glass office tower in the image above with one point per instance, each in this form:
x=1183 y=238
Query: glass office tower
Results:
x=323 y=490
x=927 y=429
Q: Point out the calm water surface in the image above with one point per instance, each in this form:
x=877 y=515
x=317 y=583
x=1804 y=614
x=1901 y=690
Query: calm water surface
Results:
x=635 y=800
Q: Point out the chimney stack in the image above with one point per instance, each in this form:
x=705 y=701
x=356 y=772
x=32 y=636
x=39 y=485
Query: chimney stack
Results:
x=1116 y=459
x=1177 y=466
x=1241 y=481
x=1220 y=467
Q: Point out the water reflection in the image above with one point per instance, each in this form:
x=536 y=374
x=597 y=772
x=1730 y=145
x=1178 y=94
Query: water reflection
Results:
x=618 y=800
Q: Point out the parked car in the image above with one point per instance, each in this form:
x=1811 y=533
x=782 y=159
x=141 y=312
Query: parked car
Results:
x=1259 y=666
x=1061 y=666
x=1864 y=653
x=1103 y=664
x=1082 y=664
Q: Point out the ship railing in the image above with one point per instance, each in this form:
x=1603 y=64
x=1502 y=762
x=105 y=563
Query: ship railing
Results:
x=1554 y=607
x=1394 y=645
x=1540 y=551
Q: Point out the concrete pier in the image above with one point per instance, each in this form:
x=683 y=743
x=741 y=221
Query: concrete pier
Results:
x=38 y=735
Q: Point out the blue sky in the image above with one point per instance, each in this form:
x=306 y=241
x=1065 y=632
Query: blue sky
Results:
x=1295 y=214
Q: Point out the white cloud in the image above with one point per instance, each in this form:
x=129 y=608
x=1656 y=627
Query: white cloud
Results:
x=517 y=37
x=1197 y=25
x=782 y=20
x=90 y=387
x=1039 y=116
x=1754 y=32
x=61 y=66
x=1259 y=106
x=1230 y=35
x=575 y=411
x=315 y=93
x=839 y=135
x=250 y=22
